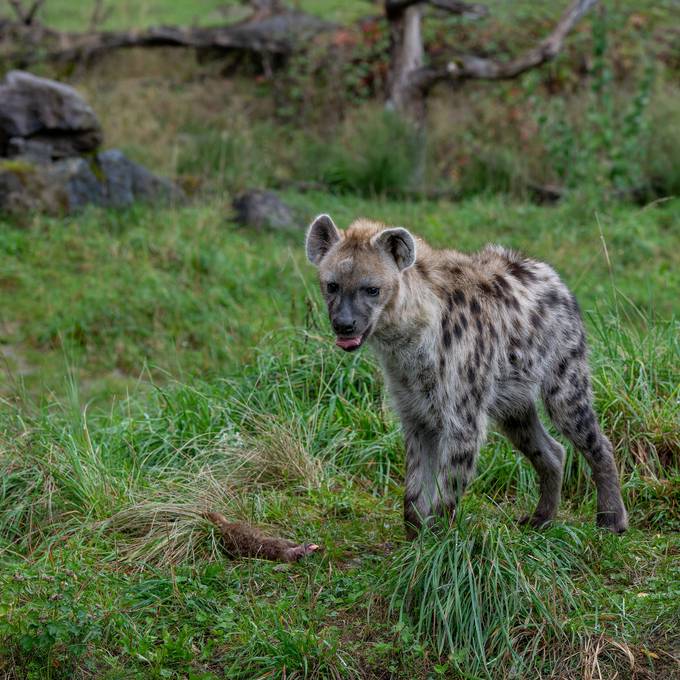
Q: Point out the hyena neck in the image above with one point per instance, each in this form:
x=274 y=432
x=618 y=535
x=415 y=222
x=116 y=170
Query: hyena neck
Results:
x=406 y=322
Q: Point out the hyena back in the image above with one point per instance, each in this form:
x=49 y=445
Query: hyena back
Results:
x=463 y=339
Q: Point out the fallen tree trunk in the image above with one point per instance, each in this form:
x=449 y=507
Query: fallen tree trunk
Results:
x=275 y=35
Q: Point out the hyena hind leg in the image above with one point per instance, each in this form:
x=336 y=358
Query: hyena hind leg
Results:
x=570 y=408
x=527 y=434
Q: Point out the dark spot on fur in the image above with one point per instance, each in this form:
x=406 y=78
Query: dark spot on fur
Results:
x=474 y=307
x=454 y=270
x=590 y=439
x=471 y=374
x=458 y=296
x=553 y=390
x=478 y=323
x=501 y=284
x=446 y=337
x=460 y=458
x=551 y=299
x=486 y=288
x=521 y=272
x=463 y=322
x=457 y=330
x=511 y=301
x=562 y=367
x=536 y=320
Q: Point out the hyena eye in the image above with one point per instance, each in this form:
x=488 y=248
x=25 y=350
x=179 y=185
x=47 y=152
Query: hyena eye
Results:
x=332 y=288
x=372 y=291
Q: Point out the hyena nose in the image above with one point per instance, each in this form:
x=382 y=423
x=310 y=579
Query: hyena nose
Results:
x=344 y=327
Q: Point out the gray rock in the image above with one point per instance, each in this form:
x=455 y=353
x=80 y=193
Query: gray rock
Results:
x=262 y=209
x=125 y=182
x=68 y=185
x=73 y=184
x=30 y=150
x=46 y=111
x=13 y=180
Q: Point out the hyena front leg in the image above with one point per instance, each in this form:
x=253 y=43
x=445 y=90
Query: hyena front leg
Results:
x=438 y=469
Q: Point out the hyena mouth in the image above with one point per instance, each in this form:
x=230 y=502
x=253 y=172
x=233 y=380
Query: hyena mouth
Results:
x=353 y=343
x=350 y=344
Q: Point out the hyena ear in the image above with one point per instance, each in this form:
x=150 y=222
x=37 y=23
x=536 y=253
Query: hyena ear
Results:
x=321 y=236
x=398 y=243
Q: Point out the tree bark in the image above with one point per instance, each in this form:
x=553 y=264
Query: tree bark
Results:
x=406 y=57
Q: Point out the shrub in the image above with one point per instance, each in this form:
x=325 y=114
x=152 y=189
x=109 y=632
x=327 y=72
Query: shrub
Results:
x=377 y=154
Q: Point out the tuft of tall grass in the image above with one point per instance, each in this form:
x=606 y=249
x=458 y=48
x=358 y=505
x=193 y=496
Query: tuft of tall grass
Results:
x=638 y=392
x=55 y=477
x=488 y=595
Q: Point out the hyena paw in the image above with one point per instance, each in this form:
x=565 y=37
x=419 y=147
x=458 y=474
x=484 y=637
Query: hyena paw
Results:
x=614 y=521
x=297 y=552
x=535 y=521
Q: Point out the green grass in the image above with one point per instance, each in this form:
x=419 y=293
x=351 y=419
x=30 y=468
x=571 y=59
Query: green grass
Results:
x=162 y=362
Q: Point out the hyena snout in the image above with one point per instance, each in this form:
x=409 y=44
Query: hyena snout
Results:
x=344 y=326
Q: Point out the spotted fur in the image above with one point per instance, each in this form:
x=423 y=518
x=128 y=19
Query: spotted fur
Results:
x=465 y=339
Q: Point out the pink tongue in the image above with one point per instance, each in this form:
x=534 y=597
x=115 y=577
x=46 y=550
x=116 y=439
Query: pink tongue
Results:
x=348 y=343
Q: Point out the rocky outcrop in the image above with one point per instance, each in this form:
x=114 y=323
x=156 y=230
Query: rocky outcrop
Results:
x=49 y=161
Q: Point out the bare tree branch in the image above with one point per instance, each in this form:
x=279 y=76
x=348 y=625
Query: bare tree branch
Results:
x=472 y=67
x=276 y=35
x=468 y=9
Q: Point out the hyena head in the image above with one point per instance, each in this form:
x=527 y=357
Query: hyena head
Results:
x=360 y=272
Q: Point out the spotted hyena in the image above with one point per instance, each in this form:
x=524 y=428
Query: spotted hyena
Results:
x=463 y=339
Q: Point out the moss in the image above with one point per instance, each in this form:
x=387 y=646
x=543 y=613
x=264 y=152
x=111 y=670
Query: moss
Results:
x=22 y=169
